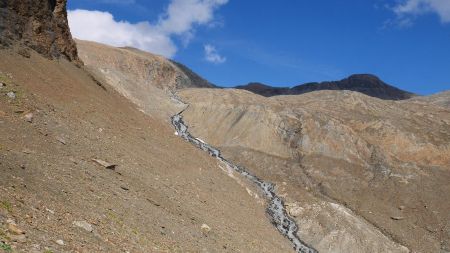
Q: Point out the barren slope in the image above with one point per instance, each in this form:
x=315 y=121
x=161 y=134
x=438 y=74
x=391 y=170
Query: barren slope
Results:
x=147 y=80
x=359 y=174
x=387 y=162
x=156 y=200
x=439 y=99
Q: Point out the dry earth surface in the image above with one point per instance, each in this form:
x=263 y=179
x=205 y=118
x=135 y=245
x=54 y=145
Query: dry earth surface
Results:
x=360 y=174
x=163 y=196
x=90 y=163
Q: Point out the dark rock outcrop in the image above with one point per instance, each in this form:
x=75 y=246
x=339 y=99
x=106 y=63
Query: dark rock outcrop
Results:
x=194 y=80
x=363 y=83
x=38 y=24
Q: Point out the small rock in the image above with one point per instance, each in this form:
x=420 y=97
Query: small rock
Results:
x=401 y=207
x=84 y=225
x=205 y=228
x=29 y=117
x=432 y=229
x=124 y=188
x=27 y=151
x=2 y=85
x=397 y=218
x=11 y=95
x=73 y=160
x=60 y=242
x=295 y=211
x=24 y=52
x=19 y=238
x=105 y=164
x=61 y=140
x=14 y=229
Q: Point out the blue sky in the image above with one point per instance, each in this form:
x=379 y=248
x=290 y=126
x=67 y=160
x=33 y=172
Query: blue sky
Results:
x=282 y=43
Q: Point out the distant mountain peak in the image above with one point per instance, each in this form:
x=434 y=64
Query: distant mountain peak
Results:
x=368 y=84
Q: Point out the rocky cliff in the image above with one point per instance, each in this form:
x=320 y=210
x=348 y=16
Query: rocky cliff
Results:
x=40 y=25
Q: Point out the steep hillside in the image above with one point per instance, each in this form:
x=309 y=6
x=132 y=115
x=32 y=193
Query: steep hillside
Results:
x=146 y=79
x=90 y=162
x=366 y=84
x=163 y=195
x=365 y=169
x=86 y=170
x=350 y=167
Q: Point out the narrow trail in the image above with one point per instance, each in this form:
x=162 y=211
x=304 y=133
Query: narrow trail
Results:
x=275 y=209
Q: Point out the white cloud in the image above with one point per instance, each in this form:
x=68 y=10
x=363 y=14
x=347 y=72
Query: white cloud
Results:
x=180 y=19
x=101 y=27
x=212 y=55
x=181 y=15
x=406 y=10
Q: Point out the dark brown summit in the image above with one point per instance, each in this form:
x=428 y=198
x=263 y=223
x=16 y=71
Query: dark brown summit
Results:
x=363 y=83
x=38 y=24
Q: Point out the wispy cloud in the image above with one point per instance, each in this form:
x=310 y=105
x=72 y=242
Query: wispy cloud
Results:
x=212 y=55
x=407 y=11
x=180 y=19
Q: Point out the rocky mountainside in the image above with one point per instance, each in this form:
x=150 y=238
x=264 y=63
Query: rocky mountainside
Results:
x=365 y=169
x=85 y=170
x=90 y=161
x=364 y=83
x=136 y=74
x=40 y=25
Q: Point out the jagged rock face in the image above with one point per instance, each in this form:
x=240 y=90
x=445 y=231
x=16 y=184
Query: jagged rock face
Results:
x=41 y=25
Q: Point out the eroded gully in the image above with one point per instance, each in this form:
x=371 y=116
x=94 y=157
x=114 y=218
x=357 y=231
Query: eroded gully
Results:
x=275 y=209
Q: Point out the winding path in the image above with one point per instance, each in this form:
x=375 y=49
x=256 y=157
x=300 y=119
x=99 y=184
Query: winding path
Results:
x=275 y=209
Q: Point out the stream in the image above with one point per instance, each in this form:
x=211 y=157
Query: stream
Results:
x=275 y=209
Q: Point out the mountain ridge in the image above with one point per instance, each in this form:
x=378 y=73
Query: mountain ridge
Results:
x=368 y=84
